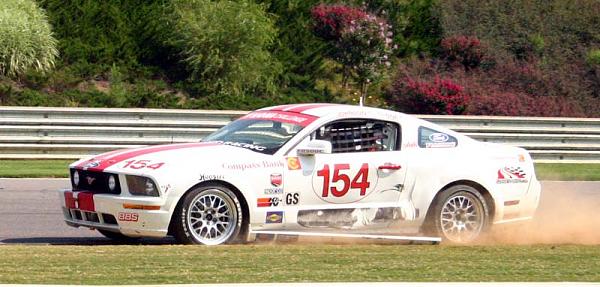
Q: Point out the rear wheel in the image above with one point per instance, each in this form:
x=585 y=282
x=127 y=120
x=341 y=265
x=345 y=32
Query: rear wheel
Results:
x=461 y=214
x=209 y=215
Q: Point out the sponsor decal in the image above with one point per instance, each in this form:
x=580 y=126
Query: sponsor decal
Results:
x=128 y=216
x=205 y=177
x=244 y=145
x=410 y=145
x=276 y=179
x=274 y=217
x=267 y=201
x=440 y=144
x=438 y=137
x=294 y=163
x=275 y=190
x=281 y=116
x=511 y=175
x=353 y=114
x=287 y=199
x=252 y=165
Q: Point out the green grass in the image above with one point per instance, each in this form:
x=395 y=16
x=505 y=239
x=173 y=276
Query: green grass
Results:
x=562 y=171
x=58 y=168
x=294 y=263
x=34 y=168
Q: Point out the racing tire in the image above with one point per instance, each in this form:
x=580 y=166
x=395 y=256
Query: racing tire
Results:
x=460 y=215
x=208 y=215
x=117 y=236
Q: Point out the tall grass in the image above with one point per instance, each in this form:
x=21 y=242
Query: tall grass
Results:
x=26 y=40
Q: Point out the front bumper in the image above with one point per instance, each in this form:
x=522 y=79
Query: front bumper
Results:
x=106 y=212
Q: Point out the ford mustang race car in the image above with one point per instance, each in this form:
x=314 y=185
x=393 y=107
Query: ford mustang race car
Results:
x=304 y=168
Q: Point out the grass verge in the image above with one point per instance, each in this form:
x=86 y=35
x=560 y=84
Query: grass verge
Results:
x=34 y=168
x=566 y=171
x=58 y=168
x=171 y=264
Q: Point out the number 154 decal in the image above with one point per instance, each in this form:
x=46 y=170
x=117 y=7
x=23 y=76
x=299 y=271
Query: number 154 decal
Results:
x=343 y=183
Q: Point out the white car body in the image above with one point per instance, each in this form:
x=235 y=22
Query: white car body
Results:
x=387 y=191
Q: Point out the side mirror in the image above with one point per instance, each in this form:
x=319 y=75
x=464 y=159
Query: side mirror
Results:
x=314 y=147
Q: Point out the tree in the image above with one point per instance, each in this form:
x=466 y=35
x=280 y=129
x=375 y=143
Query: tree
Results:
x=26 y=40
x=361 y=42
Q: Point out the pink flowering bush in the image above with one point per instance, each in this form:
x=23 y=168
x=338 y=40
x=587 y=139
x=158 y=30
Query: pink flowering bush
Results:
x=332 y=20
x=438 y=97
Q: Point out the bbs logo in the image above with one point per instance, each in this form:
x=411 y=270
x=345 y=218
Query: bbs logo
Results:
x=127 y=216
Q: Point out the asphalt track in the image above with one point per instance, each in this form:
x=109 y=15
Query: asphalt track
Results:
x=30 y=211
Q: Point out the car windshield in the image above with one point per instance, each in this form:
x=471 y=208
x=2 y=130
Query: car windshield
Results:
x=257 y=133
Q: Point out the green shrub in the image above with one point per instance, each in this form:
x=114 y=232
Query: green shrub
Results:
x=224 y=45
x=26 y=40
x=593 y=57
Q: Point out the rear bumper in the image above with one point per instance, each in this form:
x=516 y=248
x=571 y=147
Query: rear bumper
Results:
x=526 y=207
x=106 y=212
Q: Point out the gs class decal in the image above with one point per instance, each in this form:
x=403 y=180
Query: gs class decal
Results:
x=344 y=183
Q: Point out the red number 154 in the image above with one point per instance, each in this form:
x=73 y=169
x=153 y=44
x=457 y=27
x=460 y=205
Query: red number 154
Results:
x=360 y=180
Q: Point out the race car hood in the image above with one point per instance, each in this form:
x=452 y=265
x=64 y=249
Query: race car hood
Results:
x=148 y=160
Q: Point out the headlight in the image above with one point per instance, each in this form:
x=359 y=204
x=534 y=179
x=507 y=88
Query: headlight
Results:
x=76 y=178
x=139 y=185
x=112 y=183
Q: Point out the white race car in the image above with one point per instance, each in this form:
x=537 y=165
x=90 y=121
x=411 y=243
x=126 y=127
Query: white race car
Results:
x=306 y=169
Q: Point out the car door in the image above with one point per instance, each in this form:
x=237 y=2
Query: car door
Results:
x=364 y=171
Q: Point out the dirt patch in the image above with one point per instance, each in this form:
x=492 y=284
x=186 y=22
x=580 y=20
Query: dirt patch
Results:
x=569 y=215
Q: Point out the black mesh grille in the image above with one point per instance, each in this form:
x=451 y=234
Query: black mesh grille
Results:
x=96 y=182
x=109 y=219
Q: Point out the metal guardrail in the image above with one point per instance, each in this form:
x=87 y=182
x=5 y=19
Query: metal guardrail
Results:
x=71 y=133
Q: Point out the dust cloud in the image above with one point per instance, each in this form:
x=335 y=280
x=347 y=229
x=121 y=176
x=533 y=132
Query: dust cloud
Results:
x=569 y=213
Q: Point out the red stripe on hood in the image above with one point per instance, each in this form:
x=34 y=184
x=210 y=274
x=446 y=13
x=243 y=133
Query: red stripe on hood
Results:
x=102 y=163
x=100 y=157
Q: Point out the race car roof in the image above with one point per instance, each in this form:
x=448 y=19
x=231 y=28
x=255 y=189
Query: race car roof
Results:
x=324 y=109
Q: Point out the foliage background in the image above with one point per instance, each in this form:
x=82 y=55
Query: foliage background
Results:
x=534 y=57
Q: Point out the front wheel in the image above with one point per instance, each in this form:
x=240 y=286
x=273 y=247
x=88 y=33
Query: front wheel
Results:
x=461 y=214
x=209 y=215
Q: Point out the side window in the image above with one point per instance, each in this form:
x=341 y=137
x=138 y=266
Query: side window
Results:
x=430 y=138
x=359 y=135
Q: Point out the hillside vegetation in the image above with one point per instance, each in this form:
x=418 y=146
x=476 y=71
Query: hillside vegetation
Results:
x=524 y=57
